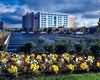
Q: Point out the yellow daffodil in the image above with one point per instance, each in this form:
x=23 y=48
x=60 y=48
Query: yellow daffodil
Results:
x=71 y=67
x=39 y=57
x=67 y=57
x=55 y=68
x=84 y=66
x=44 y=55
x=4 y=60
x=53 y=57
x=14 y=59
x=98 y=64
x=90 y=59
x=27 y=59
x=34 y=67
x=13 y=69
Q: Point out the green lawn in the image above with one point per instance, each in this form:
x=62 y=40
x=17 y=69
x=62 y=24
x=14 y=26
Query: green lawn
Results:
x=87 y=76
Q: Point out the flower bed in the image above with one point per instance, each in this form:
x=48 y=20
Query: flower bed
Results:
x=47 y=63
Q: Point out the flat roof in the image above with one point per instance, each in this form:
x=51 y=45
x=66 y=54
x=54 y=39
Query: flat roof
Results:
x=50 y=13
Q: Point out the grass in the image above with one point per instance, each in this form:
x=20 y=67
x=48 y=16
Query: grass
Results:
x=87 y=76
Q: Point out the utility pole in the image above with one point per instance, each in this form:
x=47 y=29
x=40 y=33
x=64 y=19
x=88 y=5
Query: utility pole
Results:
x=98 y=27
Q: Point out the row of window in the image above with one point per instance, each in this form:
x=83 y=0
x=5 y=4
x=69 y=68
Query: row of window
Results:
x=50 y=22
x=59 y=17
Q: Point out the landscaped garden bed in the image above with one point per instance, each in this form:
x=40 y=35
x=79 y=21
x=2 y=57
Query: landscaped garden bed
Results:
x=37 y=64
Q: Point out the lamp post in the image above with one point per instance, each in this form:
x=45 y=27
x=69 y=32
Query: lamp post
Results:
x=98 y=27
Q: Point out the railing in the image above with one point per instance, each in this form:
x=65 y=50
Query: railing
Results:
x=7 y=40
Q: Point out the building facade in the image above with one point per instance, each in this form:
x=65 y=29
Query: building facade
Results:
x=1 y=25
x=71 y=22
x=46 y=20
x=28 y=22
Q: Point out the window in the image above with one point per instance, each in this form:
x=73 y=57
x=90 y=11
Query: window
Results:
x=54 y=20
x=49 y=19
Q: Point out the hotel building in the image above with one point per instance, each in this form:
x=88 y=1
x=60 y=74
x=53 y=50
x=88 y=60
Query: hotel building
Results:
x=28 y=22
x=71 y=22
x=54 y=20
x=1 y=25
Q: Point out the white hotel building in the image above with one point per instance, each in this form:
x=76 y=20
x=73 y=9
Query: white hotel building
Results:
x=45 y=20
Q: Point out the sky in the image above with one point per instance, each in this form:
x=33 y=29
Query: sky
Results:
x=87 y=12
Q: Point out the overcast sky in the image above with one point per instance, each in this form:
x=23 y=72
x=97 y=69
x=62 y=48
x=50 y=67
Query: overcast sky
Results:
x=86 y=11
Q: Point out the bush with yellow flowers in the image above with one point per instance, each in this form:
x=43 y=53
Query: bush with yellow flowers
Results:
x=98 y=64
x=13 y=69
x=71 y=67
x=39 y=58
x=4 y=60
x=67 y=57
x=41 y=63
x=84 y=66
x=90 y=59
x=53 y=57
x=34 y=67
x=27 y=59
x=54 y=68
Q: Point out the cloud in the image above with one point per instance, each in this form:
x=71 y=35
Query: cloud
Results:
x=8 y=25
x=81 y=6
x=68 y=6
x=94 y=14
x=12 y=15
x=11 y=20
x=6 y=9
x=8 y=14
x=11 y=11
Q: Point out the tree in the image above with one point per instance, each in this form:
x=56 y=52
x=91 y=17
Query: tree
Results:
x=27 y=48
x=49 y=30
x=1 y=47
x=95 y=49
x=60 y=48
x=50 y=48
x=45 y=30
x=61 y=45
x=78 y=48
